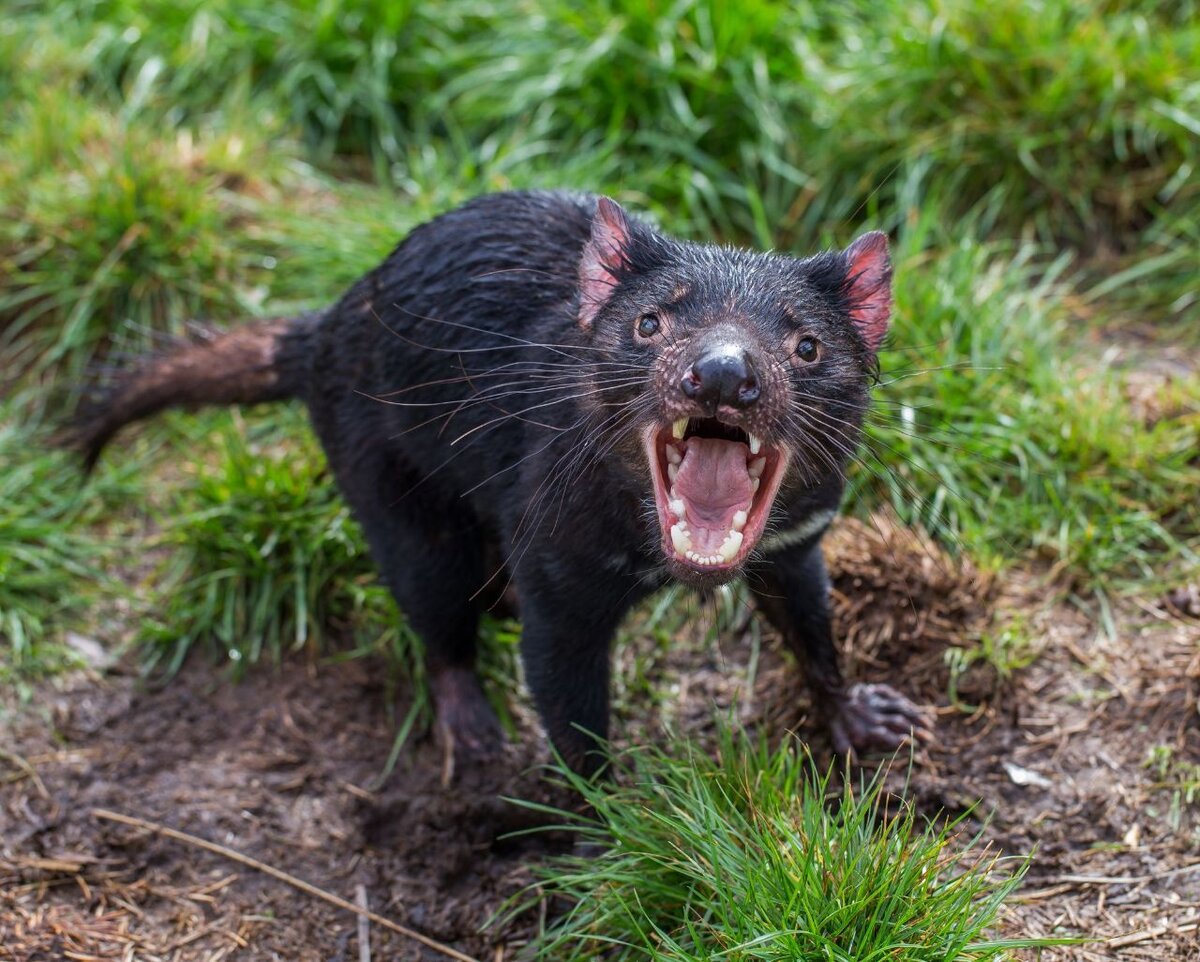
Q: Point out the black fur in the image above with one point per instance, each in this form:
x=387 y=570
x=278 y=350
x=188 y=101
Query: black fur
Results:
x=486 y=439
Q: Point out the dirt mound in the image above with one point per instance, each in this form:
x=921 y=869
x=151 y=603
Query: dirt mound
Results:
x=900 y=600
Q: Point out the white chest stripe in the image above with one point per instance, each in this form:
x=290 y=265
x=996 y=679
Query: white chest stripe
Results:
x=813 y=524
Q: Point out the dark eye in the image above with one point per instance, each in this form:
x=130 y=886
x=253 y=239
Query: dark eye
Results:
x=807 y=350
x=648 y=325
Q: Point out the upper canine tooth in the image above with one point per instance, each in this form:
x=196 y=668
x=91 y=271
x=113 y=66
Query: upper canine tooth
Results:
x=755 y=444
x=755 y=467
x=679 y=428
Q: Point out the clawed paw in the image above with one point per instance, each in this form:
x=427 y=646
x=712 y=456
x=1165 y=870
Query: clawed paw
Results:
x=877 y=718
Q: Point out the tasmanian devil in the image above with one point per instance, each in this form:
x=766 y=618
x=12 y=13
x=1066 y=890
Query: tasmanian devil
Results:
x=535 y=390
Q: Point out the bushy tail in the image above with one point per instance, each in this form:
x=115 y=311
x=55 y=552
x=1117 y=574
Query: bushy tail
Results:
x=261 y=361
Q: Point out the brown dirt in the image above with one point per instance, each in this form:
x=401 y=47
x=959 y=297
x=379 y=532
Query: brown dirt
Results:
x=279 y=767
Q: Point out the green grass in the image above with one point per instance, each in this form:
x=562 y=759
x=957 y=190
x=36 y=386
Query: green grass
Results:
x=265 y=557
x=990 y=432
x=760 y=120
x=755 y=855
x=51 y=551
x=111 y=230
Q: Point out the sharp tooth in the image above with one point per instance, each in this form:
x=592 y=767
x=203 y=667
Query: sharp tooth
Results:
x=672 y=472
x=678 y=428
x=755 y=467
x=731 y=545
x=739 y=521
x=678 y=508
x=755 y=444
x=673 y=455
x=680 y=540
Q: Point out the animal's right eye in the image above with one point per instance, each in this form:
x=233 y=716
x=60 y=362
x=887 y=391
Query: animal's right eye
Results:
x=648 y=324
x=808 y=350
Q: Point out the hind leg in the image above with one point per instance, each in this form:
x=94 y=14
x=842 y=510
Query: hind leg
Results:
x=430 y=554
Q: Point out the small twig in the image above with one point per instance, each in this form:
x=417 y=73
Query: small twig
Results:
x=364 y=924
x=28 y=769
x=1129 y=879
x=283 y=876
x=1147 y=934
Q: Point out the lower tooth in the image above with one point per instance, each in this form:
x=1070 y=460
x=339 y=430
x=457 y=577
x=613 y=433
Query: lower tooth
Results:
x=739 y=521
x=672 y=472
x=755 y=467
x=673 y=455
x=754 y=483
x=680 y=540
x=731 y=544
x=679 y=509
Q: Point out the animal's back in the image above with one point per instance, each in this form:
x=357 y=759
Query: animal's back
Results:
x=440 y=370
x=414 y=350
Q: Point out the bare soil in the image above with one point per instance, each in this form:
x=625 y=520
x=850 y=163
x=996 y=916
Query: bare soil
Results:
x=280 y=767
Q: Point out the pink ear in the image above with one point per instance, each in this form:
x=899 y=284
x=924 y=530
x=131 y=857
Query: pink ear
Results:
x=603 y=256
x=869 y=285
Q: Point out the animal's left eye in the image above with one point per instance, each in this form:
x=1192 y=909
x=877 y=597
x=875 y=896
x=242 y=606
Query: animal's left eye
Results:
x=648 y=324
x=808 y=350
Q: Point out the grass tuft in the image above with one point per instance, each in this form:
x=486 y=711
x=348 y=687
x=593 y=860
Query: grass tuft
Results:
x=111 y=231
x=266 y=558
x=989 y=431
x=51 y=555
x=755 y=855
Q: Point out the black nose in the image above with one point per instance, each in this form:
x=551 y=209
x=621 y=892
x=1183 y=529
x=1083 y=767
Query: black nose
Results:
x=722 y=377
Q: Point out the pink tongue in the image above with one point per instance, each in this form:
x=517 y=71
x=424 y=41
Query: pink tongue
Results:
x=714 y=486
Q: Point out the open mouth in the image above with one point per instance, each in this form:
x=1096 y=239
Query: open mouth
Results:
x=713 y=485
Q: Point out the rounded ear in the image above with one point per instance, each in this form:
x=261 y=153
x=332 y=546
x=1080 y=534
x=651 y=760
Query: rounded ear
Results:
x=604 y=254
x=869 y=286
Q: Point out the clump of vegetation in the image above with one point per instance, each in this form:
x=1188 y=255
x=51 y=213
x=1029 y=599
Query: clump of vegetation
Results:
x=267 y=558
x=1178 y=779
x=112 y=232
x=51 y=555
x=990 y=432
x=755 y=855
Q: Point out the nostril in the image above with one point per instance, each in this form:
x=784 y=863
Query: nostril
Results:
x=748 y=389
x=748 y=392
x=691 y=383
